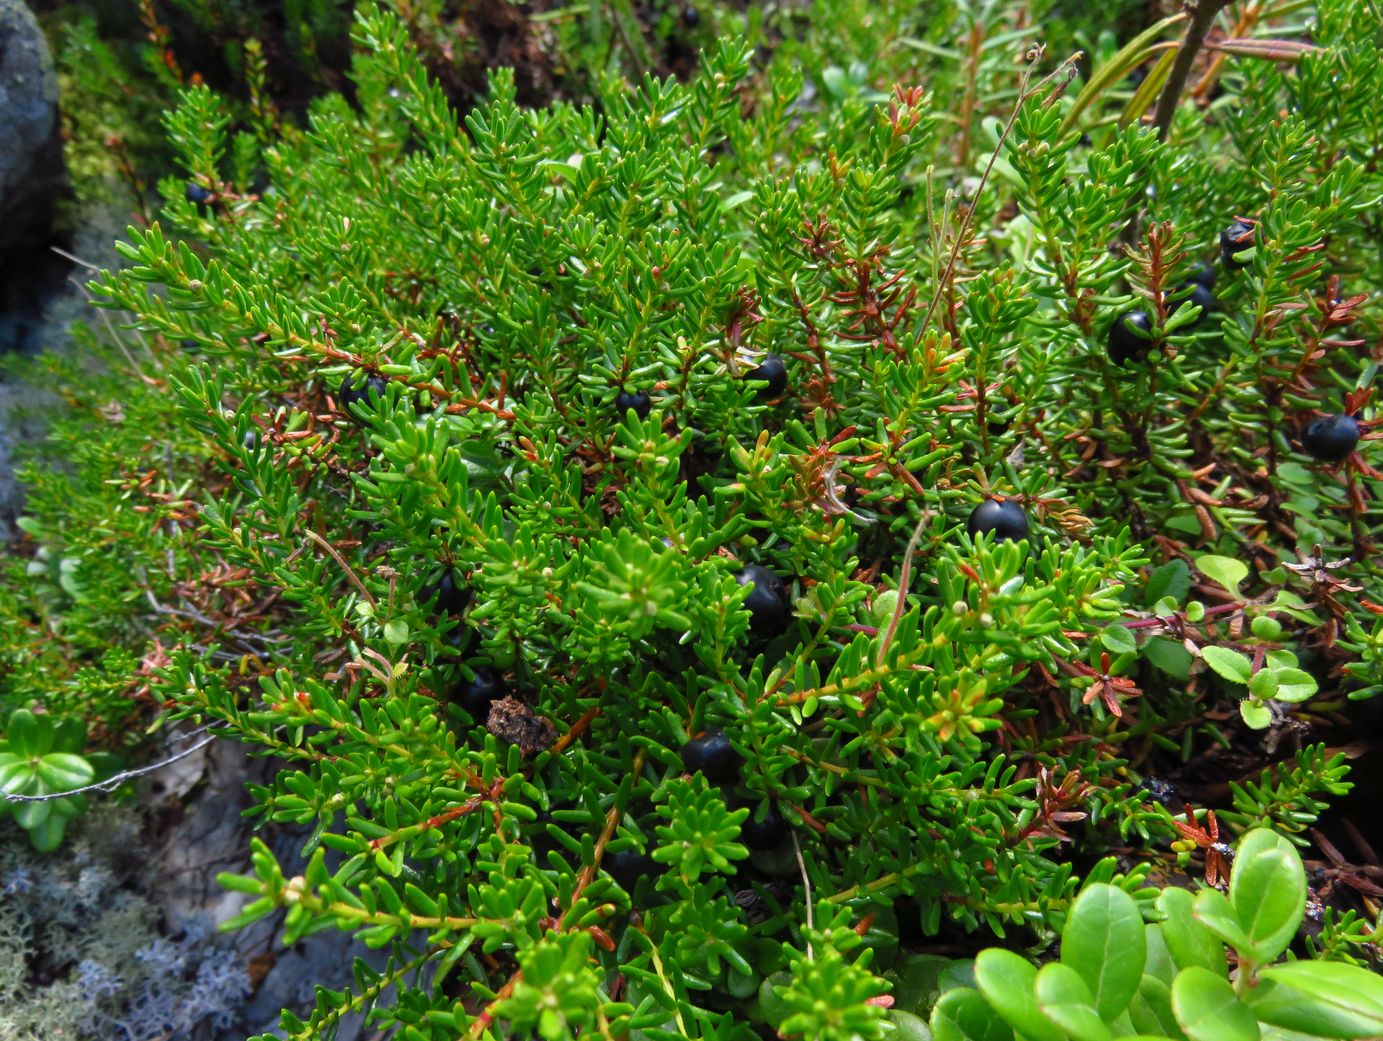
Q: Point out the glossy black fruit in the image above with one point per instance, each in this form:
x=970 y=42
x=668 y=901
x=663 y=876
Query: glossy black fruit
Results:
x=364 y=390
x=444 y=596
x=1130 y=336
x=1331 y=439
x=691 y=17
x=766 y=834
x=477 y=694
x=767 y=602
x=199 y=194
x=629 y=865
x=1234 y=241
x=639 y=401
x=459 y=639
x=772 y=373
x=1202 y=274
x=712 y=754
x=1199 y=296
x=1002 y=518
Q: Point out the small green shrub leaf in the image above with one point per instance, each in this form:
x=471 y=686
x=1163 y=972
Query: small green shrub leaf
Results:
x=1006 y=981
x=1232 y=665
x=1172 y=579
x=1329 y=999
x=1225 y=571
x=26 y=736
x=1255 y=714
x=1118 y=640
x=1063 y=998
x=1207 y=1008
x=1267 y=891
x=1213 y=910
x=1150 y=1011
x=1169 y=656
x=1294 y=685
x=1189 y=941
x=60 y=771
x=963 y=1015
x=1103 y=941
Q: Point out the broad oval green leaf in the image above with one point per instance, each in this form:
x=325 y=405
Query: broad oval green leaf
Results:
x=1225 y=571
x=1006 y=981
x=1063 y=998
x=1150 y=1011
x=1328 y=999
x=15 y=772
x=908 y=1027
x=1190 y=942
x=1294 y=685
x=1268 y=893
x=31 y=815
x=1103 y=940
x=1232 y=665
x=1159 y=961
x=47 y=835
x=61 y=771
x=1255 y=714
x=1213 y=910
x=1207 y=1009
x=26 y=735
x=963 y=1015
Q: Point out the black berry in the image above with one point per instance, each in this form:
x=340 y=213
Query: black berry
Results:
x=1234 y=241
x=1002 y=518
x=772 y=373
x=1160 y=790
x=1193 y=293
x=199 y=194
x=767 y=602
x=638 y=400
x=628 y=866
x=691 y=17
x=477 y=694
x=712 y=754
x=364 y=390
x=765 y=834
x=444 y=596
x=1130 y=336
x=1331 y=439
x=1202 y=274
x=459 y=638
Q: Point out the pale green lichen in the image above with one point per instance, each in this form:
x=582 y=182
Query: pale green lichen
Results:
x=88 y=955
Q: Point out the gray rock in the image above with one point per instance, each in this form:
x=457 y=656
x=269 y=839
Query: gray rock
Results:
x=31 y=166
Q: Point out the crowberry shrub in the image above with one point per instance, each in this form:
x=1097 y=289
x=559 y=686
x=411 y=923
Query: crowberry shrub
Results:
x=933 y=725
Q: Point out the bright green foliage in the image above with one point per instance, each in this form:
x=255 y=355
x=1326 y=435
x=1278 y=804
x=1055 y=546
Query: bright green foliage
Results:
x=943 y=717
x=41 y=756
x=1176 y=985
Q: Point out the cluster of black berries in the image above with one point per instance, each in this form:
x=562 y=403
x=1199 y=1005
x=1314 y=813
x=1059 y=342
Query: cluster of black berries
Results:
x=447 y=598
x=712 y=755
x=1131 y=335
x=771 y=372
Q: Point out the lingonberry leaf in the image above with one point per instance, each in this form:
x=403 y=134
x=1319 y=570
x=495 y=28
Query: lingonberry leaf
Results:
x=1103 y=940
